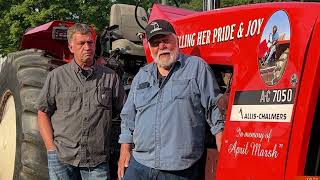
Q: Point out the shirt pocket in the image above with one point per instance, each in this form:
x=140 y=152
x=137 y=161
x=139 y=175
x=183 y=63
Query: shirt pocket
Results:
x=71 y=98
x=181 y=89
x=104 y=96
x=142 y=97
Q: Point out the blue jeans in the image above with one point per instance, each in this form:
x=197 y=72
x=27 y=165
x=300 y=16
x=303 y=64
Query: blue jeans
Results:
x=62 y=171
x=270 y=55
x=137 y=171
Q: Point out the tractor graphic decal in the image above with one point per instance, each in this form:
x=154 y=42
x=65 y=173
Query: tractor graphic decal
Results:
x=274 y=48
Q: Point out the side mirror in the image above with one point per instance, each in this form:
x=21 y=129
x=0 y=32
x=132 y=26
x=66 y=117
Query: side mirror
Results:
x=141 y=35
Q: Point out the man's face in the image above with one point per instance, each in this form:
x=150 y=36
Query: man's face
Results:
x=274 y=30
x=164 y=50
x=83 y=47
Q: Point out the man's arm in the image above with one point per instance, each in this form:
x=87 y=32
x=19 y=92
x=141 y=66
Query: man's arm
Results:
x=46 y=130
x=210 y=94
x=125 y=155
x=219 y=136
x=216 y=124
x=127 y=115
x=46 y=106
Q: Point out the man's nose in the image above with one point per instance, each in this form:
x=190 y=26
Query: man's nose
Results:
x=162 y=45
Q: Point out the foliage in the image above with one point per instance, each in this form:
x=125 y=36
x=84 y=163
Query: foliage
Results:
x=227 y=3
x=193 y=4
x=17 y=16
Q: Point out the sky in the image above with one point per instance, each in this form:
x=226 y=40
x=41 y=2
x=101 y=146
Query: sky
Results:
x=281 y=20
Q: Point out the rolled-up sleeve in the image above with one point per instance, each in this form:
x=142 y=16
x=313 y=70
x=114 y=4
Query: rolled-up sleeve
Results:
x=210 y=93
x=128 y=115
x=215 y=121
x=46 y=100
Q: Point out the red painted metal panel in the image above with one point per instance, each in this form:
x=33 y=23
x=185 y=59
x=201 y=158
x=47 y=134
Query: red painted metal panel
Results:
x=160 y=12
x=41 y=38
x=270 y=146
x=305 y=108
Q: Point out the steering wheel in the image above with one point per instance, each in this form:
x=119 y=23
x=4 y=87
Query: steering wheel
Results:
x=143 y=18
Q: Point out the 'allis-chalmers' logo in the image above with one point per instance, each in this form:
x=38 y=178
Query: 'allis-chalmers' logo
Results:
x=155 y=27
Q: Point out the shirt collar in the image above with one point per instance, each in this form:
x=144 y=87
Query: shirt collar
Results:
x=78 y=69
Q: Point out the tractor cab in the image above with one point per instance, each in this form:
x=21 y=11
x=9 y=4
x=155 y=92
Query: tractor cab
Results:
x=124 y=51
x=127 y=39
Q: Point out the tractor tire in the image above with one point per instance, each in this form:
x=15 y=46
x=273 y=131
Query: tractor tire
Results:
x=22 y=151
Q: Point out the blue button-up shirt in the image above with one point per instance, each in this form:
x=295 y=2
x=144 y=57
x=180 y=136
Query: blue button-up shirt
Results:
x=166 y=124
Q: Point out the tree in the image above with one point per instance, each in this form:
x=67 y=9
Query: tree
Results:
x=193 y=4
x=19 y=15
x=227 y=3
x=188 y=4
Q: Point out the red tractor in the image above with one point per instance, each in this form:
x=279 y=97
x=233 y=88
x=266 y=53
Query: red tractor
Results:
x=272 y=126
x=272 y=121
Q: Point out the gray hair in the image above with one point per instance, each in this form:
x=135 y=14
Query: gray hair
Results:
x=78 y=27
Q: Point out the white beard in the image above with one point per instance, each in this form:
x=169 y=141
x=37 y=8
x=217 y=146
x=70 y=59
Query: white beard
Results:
x=167 y=63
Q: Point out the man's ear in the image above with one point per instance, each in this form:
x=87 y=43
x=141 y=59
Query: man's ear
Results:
x=70 y=48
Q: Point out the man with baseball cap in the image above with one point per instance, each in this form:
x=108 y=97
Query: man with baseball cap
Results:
x=163 y=119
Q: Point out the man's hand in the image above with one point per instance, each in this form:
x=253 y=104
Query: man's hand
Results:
x=123 y=163
x=222 y=104
x=219 y=140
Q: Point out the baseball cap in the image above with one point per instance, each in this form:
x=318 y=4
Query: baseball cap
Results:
x=159 y=26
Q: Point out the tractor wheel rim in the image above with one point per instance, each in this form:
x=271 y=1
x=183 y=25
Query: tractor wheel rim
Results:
x=8 y=139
